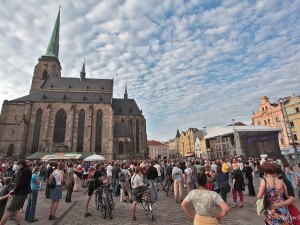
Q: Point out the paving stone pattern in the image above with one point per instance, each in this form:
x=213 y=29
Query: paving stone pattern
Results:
x=166 y=212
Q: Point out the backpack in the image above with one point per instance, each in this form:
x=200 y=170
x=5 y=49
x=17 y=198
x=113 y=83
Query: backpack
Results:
x=91 y=175
x=122 y=177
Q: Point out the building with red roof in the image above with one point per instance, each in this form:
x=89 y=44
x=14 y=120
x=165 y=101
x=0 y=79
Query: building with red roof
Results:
x=157 y=150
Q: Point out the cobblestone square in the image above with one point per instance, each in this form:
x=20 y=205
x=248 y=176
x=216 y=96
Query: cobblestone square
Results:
x=165 y=211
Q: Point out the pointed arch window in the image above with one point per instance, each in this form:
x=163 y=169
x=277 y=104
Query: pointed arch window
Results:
x=45 y=74
x=10 y=150
x=130 y=127
x=98 y=131
x=37 y=130
x=137 y=137
x=60 y=127
x=120 y=147
x=80 y=132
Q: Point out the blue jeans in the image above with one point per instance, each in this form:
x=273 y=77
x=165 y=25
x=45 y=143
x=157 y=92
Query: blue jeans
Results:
x=41 y=183
x=115 y=186
x=153 y=188
x=31 y=206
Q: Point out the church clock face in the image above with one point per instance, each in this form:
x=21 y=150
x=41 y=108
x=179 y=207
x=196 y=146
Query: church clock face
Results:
x=45 y=65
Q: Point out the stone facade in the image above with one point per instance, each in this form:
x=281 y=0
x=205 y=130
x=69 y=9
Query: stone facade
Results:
x=223 y=147
x=48 y=119
x=172 y=149
x=157 y=150
x=187 y=140
x=271 y=115
x=293 y=115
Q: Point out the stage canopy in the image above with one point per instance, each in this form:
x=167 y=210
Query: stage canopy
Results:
x=223 y=131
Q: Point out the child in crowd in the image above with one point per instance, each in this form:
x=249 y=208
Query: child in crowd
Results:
x=4 y=195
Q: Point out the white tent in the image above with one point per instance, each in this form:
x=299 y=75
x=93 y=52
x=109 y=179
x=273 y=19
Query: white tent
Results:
x=94 y=158
x=220 y=131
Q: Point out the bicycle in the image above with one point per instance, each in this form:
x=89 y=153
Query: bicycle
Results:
x=146 y=203
x=104 y=202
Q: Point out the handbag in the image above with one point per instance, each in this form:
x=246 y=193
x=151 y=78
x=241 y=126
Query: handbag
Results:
x=246 y=181
x=260 y=206
x=69 y=183
x=215 y=185
x=51 y=183
x=263 y=203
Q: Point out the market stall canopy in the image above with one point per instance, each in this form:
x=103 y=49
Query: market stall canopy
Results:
x=94 y=158
x=44 y=156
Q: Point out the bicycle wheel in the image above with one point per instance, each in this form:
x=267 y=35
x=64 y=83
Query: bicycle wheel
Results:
x=145 y=202
x=96 y=201
x=103 y=208
x=111 y=199
x=149 y=207
x=108 y=208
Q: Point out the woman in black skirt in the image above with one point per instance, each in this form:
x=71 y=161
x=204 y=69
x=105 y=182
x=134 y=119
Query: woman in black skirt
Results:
x=248 y=171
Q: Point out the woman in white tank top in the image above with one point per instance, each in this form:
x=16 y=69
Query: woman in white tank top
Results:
x=56 y=192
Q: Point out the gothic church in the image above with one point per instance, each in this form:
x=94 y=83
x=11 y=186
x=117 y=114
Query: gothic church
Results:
x=63 y=114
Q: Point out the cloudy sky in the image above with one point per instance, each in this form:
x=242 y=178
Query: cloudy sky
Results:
x=187 y=63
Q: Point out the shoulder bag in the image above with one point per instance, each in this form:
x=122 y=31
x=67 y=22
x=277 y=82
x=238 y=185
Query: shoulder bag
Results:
x=52 y=182
x=263 y=203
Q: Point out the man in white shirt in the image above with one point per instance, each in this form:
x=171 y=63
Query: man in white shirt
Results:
x=138 y=185
x=109 y=173
x=159 y=179
x=15 y=168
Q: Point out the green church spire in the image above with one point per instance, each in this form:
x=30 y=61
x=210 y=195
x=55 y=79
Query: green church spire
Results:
x=53 y=46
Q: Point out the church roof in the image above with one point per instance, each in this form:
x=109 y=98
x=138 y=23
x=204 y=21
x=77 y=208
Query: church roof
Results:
x=87 y=84
x=121 y=130
x=55 y=96
x=126 y=107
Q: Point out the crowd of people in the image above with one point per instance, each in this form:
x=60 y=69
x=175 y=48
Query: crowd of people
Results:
x=204 y=183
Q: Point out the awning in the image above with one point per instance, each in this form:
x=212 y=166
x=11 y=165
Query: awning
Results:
x=189 y=155
x=95 y=157
x=45 y=156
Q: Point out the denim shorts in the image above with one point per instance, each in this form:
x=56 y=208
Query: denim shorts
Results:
x=159 y=180
x=136 y=190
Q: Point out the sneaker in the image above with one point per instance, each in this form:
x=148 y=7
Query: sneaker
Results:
x=35 y=220
x=87 y=214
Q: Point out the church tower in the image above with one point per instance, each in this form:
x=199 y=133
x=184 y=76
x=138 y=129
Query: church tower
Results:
x=48 y=65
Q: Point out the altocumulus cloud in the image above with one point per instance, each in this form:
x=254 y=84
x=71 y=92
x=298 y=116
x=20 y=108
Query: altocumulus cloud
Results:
x=187 y=63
